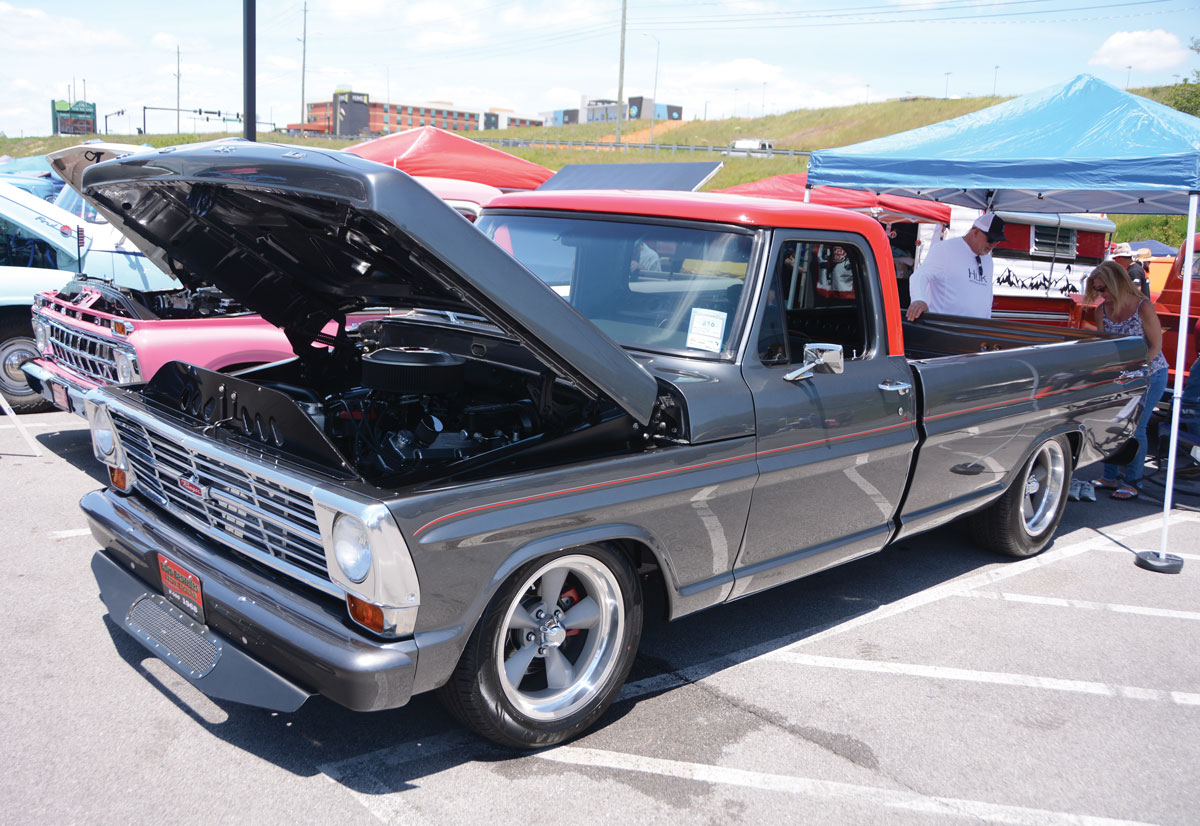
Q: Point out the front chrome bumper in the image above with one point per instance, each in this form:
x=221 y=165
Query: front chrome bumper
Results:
x=43 y=382
x=267 y=641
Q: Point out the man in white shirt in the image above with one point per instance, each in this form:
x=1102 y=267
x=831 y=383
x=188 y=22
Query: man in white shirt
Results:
x=645 y=259
x=956 y=277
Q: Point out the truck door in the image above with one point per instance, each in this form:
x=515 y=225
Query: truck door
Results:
x=834 y=449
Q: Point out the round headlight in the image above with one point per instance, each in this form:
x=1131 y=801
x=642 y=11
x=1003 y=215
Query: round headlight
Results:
x=105 y=439
x=39 y=334
x=125 y=369
x=351 y=547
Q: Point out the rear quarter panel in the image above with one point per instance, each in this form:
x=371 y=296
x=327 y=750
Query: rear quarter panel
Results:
x=983 y=413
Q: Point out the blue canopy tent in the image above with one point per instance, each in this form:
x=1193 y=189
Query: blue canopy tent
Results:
x=1156 y=248
x=1083 y=146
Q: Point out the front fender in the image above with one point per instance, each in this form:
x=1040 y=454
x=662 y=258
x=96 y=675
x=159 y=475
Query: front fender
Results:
x=441 y=648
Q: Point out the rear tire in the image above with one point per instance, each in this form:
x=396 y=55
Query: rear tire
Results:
x=16 y=345
x=551 y=650
x=1022 y=522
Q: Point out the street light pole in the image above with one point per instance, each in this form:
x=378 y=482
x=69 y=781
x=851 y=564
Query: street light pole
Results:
x=654 y=108
x=995 y=77
x=947 y=95
x=249 y=62
x=706 y=108
x=1128 y=72
x=621 y=74
x=303 y=62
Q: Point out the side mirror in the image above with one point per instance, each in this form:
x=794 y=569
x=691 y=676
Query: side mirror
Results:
x=819 y=358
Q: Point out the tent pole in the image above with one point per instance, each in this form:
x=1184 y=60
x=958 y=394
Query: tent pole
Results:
x=1162 y=561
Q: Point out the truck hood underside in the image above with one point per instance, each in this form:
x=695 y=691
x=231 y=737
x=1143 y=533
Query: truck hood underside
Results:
x=304 y=237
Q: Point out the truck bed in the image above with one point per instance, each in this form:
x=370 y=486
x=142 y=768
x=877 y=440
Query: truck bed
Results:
x=986 y=389
x=935 y=336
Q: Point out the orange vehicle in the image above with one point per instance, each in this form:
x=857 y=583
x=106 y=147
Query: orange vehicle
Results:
x=1070 y=310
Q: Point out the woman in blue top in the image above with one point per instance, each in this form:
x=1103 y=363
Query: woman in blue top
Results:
x=1125 y=311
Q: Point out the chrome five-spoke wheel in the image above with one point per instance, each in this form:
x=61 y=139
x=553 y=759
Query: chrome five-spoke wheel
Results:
x=1043 y=487
x=562 y=637
x=1023 y=520
x=550 y=652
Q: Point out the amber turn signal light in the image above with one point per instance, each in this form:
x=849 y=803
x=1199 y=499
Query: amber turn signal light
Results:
x=364 y=613
x=119 y=479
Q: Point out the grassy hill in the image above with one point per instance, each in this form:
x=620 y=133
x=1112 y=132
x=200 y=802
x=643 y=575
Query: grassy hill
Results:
x=802 y=129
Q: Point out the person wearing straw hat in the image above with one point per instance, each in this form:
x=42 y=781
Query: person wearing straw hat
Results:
x=1123 y=254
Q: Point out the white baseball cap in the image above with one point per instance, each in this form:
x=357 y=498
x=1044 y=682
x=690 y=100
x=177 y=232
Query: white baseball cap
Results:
x=991 y=225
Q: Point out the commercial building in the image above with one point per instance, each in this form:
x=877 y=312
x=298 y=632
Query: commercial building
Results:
x=353 y=114
x=601 y=110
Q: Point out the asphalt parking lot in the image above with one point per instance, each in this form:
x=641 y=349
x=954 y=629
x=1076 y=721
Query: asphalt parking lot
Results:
x=930 y=684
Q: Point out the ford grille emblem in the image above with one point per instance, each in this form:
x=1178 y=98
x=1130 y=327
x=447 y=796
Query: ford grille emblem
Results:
x=192 y=486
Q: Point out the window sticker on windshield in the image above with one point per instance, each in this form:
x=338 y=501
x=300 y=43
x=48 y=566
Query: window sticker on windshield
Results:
x=706 y=329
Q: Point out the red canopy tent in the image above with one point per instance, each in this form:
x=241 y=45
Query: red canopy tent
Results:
x=885 y=208
x=427 y=150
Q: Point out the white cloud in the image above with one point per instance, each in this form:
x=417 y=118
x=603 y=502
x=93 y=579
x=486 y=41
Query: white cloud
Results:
x=1145 y=51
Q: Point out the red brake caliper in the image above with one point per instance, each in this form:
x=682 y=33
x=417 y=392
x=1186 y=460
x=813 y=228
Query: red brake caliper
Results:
x=568 y=598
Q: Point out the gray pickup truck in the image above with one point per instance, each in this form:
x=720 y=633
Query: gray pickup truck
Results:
x=582 y=397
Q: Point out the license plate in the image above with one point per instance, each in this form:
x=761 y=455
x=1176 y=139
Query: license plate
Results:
x=182 y=587
x=60 y=396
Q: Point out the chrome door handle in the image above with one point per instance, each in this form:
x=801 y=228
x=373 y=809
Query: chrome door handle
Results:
x=901 y=387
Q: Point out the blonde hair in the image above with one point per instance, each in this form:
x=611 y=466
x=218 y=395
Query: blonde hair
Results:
x=1116 y=280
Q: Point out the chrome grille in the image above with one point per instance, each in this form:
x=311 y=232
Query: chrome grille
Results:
x=236 y=507
x=89 y=356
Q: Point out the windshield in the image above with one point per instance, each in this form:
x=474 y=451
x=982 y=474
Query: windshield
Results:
x=73 y=202
x=647 y=286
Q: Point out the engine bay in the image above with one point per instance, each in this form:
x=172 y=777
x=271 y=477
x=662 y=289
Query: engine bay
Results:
x=398 y=408
x=186 y=303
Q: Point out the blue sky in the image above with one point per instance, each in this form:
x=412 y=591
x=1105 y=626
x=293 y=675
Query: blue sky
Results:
x=719 y=58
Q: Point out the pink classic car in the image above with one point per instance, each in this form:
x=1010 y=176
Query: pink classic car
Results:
x=97 y=331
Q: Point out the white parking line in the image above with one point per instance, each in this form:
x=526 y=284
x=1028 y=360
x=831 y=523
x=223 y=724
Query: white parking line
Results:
x=1166 y=613
x=958 y=587
x=822 y=789
x=358 y=774
x=26 y=426
x=1131 y=551
x=69 y=534
x=938 y=672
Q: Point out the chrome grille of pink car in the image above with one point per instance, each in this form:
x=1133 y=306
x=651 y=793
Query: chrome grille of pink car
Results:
x=89 y=356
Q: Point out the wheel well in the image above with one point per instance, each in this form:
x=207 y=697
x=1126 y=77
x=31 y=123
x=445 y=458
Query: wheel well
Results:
x=649 y=571
x=16 y=313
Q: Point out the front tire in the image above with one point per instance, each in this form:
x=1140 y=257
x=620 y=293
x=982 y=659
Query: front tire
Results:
x=1022 y=521
x=551 y=650
x=16 y=345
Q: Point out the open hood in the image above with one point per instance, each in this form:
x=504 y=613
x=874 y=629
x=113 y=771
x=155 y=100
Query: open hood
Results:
x=69 y=163
x=304 y=236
